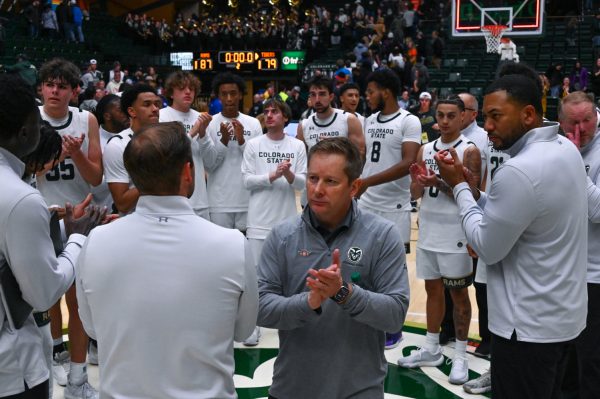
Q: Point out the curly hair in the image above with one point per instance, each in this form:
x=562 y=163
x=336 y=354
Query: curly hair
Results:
x=49 y=148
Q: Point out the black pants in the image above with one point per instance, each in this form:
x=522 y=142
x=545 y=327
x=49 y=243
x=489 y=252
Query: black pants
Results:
x=587 y=348
x=481 y=298
x=41 y=391
x=527 y=370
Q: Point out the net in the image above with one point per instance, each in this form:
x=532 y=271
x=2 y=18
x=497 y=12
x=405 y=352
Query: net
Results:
x=493 y=34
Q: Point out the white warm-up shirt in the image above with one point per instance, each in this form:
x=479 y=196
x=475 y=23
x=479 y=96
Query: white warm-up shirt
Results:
x=271 y=203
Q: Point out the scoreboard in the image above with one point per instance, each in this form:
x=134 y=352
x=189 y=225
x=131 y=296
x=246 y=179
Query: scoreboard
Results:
x=237 y=60
x=240 y=60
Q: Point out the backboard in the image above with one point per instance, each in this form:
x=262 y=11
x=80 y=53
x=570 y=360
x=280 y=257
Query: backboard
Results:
x=522 y=17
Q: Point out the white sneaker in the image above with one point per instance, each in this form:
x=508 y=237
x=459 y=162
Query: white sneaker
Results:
x=481 y=384
x=253 y=339
x=92 y=353
x=420 y=358
x=460 y=371
x=60 y=367
x=83 y=391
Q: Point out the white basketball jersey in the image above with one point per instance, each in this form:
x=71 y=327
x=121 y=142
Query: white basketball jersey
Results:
x=440 y=228
x=314 y=130
x=199 y=199
x=226 y=192
x=384 y=137
x=64 y=183
x=495 y=159
x=361 y=119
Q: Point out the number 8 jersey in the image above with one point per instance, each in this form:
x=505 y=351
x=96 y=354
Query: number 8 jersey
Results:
x=384 y=136
x=440 y=228
x=64 y=182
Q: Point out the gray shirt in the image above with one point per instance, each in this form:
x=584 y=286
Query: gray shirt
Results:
x=531 y=231
x=26 y=246
x=339 y=352
x=591 y=158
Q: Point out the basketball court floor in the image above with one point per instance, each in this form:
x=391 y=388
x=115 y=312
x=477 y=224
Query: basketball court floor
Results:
x=254 y=366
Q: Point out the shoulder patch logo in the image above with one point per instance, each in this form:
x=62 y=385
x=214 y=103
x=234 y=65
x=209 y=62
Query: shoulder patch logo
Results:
x=355 y=254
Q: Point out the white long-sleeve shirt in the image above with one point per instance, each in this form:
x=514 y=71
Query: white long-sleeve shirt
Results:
x=199 y=199
x=163 y=274
x=591 y=158
x=226 y=192
x=531 y=231
x=271 y=202
x=26 y=246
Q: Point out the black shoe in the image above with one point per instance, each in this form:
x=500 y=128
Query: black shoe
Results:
x=483 y=350
x=446 y=336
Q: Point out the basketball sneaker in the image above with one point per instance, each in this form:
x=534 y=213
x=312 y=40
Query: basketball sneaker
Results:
x=60 y=366
x=459 y=374
x=392 y=340
x=420 y=358
x=83 y=391
x=481 y=384
x=253 y=339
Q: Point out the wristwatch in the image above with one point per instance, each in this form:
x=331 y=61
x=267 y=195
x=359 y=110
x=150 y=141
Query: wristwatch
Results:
x=341 y=296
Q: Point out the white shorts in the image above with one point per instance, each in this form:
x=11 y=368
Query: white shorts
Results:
x=230 y=220
x=435 y=265
x=481 y=275
x=256 y=246
x=400 y=219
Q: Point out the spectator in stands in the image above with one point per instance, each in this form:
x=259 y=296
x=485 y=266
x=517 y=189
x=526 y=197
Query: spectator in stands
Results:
x=77 y=20
x=296 y=103
x=360 y=48
x=405 y=101
x=579 y=77
x=92 y=76
x=25 y=69
x=89 y=102
x=65 y=20
x=409 y=22
x=437 y=46
x=565 y=88
x=571 y=31
x=114 y=85
x=419 y=83
x=555 y=74
x=49 y=22
x=426 y=115
x=32 y=15
x=595 y=79
x=257 y=106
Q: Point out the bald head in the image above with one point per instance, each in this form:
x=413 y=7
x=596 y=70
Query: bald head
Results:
x=156 y=156
x=471 y=109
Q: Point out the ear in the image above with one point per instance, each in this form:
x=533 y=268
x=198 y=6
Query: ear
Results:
x=528 y=115
x=355 y=186
x=131 y=112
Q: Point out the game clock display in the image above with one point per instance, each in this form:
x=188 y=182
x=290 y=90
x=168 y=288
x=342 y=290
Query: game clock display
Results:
x=237 y=60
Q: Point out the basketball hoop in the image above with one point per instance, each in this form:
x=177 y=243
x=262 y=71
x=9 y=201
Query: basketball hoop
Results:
x=493 y=34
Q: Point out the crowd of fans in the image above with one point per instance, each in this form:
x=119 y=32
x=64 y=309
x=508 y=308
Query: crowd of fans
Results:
x=65 y=21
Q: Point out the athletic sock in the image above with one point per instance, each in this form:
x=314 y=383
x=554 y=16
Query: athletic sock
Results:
x=78 y=373
x=59 y=346
x=432 y=342
x=460 y=349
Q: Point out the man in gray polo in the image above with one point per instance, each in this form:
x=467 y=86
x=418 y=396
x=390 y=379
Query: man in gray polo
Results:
x=579 y=121
x=332 y=280
x=531 y=231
